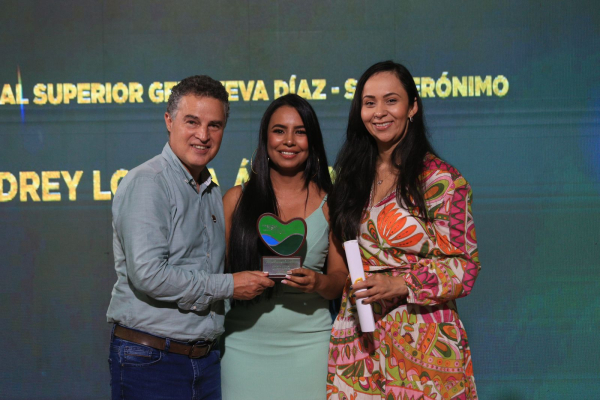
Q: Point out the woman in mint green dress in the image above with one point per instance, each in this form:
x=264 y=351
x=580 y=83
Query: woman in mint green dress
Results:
x=276 y=346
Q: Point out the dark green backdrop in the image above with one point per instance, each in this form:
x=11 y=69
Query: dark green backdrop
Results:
x=531 y=154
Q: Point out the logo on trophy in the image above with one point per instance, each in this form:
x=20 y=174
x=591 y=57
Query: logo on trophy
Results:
x=285 y=239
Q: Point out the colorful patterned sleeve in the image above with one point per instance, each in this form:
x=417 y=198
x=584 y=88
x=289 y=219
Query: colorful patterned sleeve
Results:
x=448 y=269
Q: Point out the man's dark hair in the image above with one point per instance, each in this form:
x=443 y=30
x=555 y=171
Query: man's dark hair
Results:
x=201 y=86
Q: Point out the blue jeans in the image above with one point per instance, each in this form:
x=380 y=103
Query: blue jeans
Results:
x=141 y=372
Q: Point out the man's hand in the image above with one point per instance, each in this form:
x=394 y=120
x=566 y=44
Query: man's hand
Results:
x=249 y=284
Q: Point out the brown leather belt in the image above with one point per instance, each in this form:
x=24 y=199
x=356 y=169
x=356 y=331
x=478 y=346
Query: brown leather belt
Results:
x=192 y=350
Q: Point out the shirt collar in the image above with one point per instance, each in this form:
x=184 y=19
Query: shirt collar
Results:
x=177 y=165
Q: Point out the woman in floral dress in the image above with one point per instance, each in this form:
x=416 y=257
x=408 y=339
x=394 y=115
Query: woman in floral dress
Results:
x=411 y=214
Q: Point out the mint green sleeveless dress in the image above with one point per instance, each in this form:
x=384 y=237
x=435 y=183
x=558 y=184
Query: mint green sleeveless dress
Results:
x=278 y=347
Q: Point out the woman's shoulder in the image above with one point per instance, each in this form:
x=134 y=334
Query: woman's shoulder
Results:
x=316 y=193
x=317 y=196
x=434 y=167
x=231 y=197
x=235 y=191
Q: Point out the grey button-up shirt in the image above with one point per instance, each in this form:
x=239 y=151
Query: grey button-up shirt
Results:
x=169 y=247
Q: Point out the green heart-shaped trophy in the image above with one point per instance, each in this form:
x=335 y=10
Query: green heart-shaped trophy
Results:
x=284 y=239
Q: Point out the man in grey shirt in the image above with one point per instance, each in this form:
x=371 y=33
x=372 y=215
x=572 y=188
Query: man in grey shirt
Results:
x=169 y=245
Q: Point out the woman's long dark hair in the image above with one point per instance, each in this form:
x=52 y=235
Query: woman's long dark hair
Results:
x=258 y=197
x=356 y=163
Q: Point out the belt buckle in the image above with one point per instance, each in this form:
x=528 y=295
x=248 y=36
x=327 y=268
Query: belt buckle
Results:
x=197 y=345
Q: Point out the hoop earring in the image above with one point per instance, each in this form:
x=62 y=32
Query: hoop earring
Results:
x=251 y=158
x=410 y=118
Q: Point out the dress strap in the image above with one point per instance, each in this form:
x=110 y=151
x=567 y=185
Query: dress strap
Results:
x=323 y=201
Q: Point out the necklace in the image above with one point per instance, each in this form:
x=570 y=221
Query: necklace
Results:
x=380 y=181
x=377 y=187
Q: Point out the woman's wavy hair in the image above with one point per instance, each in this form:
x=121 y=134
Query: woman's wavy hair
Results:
x=355 y=166
x=245 y=248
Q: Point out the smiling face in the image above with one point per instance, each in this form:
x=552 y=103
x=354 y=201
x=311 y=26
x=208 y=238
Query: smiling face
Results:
x=287 y=143
x=386 y=109
x=196 y=130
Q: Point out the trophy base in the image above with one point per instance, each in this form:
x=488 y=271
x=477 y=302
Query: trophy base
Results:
x=278 y=267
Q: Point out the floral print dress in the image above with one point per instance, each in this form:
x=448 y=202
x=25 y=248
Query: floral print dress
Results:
x=419 y=349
